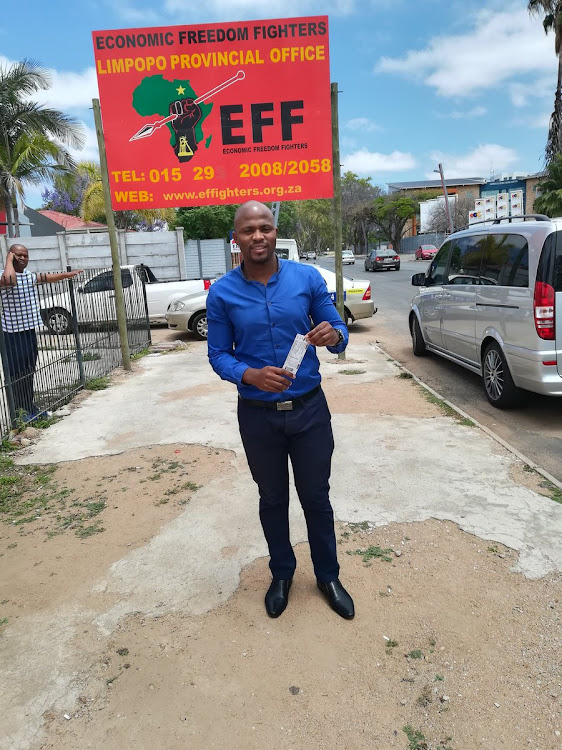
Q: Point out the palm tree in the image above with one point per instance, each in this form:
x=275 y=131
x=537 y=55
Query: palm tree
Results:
x=551 y=10
x=27 y=127
x=549 y=201
x=93 y=206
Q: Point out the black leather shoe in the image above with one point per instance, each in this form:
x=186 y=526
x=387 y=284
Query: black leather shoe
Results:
x=338 y=598
x=277 y=596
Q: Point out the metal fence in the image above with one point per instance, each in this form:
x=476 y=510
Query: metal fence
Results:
x=55 y=337
x=409 y=244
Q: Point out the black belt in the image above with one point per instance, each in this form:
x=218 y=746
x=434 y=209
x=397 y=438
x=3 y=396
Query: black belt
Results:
x=281 y=405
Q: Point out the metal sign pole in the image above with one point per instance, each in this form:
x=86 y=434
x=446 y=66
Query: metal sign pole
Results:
x=275 y=211
x=119 y=300
x=337 y=204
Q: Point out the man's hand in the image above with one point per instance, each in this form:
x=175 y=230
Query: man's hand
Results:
x=323 y=335
x=272 y=379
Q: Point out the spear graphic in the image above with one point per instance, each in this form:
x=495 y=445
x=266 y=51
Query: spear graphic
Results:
x=147 y=130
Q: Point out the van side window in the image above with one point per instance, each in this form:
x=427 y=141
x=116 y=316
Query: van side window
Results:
x=436 y=271
x=464 y=265
x=505 y=260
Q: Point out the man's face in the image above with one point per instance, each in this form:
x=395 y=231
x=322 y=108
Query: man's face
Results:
x=255 y=234
x=21 y=257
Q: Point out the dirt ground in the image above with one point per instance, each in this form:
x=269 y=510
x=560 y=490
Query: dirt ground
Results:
x=449 y=649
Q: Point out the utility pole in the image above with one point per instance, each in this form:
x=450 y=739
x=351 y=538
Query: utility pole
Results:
x=117 y=281
x=275 y=207
x=447 y=207
x=337 y=204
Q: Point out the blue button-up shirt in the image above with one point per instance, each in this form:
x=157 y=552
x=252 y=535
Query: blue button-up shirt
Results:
x=254 y=325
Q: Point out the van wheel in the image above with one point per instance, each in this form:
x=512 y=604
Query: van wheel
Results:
x=500 y=389
x=418 y=344
x=199 y=326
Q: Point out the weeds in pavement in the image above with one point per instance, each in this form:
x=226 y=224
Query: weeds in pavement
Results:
x=425 y=697
x=140 y=355
x=447 y=410
x=552 y=491
x=353 y=372
x=416 y=739
x=372 y=552
x=97 y=384
x=405 y=376
x=415 y=653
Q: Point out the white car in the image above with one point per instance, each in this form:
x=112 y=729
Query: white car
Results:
x=358 y=302
x=189 y=314
x=347 y=256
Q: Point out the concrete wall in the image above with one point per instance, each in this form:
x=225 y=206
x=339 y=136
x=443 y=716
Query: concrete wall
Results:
x=163 y=251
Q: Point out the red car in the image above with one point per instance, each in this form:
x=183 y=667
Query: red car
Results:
x=426 y=252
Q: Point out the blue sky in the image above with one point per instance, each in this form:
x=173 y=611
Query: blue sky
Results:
x=469 y=84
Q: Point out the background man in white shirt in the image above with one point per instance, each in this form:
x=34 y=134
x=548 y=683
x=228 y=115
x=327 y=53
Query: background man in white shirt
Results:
x=20 y=316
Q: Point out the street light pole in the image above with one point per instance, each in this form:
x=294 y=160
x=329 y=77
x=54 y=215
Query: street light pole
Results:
x=446 y=195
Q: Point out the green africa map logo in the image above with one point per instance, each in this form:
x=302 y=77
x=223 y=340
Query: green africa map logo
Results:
x=181 y=109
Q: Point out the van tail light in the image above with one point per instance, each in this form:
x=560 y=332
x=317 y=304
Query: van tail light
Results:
x=206 y=284
x=367 y=295
x=543 y=304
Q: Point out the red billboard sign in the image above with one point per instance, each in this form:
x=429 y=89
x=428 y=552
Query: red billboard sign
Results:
x=217 y=113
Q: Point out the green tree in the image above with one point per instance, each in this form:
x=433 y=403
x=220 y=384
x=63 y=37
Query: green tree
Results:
x=315 y=225
x=551 y=11
x=206 y=222
x=357 y=199
x=391 y=213
x=549 y=202
x=93 y=208
x=34 y=138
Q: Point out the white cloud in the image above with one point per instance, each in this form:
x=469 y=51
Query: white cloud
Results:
x=90 y=151
x=480 y=162
x=498 y=46
x=231 y=9
x=474 y=112
x=368 y=162
x=363 y=125
x=522 y=93
x=69 y=91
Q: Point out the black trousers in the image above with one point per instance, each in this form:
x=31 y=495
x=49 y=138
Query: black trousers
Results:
x=304 y=435
x=21 y=349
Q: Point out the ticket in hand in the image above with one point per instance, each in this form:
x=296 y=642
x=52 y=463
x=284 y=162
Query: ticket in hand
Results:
x=296 y=354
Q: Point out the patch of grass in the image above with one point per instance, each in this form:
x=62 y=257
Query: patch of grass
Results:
x=416 y=739
x=405 y=376
x=425 y=697
x=415 y=653
x=553 y=492
x=191 y=486
x=373 y=552
x=447 y=410
x=140 y=355
x=123 y=651
x=438 y=678
x=4 y=621
x=353 y=372
x=97 y=384
x=85 y=531
x=359 y=526
x=90 y=356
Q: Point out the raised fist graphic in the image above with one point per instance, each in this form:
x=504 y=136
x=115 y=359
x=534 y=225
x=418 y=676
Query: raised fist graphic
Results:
x=188 y=115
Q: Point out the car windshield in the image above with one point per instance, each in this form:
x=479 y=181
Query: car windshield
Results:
x=347 y=252
x=429 y=247
x=385 y=253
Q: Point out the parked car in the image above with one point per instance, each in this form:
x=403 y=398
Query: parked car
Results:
x=347 y=256
x=358 y=302
x=189 y=314
x=380 y=260
x=426 y=252
x=311 y=255
x=490 y=300
x=95 y=297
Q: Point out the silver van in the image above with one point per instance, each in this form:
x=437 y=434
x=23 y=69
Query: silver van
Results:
x=491 y=301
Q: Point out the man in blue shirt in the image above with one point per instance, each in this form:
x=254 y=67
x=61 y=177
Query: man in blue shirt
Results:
x=254 y=314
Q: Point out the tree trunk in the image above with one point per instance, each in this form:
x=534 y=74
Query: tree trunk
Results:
x=9 y=215
x=14 y=200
